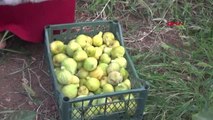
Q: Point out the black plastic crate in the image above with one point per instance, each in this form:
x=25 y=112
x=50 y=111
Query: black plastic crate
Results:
x=125 y=108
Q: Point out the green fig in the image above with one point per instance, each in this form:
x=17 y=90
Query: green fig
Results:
x=63 y=76
x=90 y=50
x=97 y=40
x=70 y=91
x=115 y=43
x=83 y=90
x=121 y=61
x=58 y=58
x=72 y=46
x=92 y=84
x=56 y=47
x=89 y=40
x=90 y=64
x=121 y=87
x=108 y=38
x=117 y=52
x=124 y=73
x=104 y=67
x=107 y=50
x=82 y=40
x=102 y=47
x=70 y=64
x=103 y=81
x=79 y=55
x=114 y=78
x=98 y=52
x=82 y=73
x=105 y=58
x=128 y=83
x=97 y=73
x=113 y=66
x=107 y=88
x=74 y=80
x=99 y=91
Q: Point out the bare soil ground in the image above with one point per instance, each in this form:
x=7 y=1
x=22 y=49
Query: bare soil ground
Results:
x=31 y=69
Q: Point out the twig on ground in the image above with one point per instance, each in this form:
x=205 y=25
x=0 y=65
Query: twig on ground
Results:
x=41 y=66
x=37 y=110
x=15 y=51
x=7 y=111
x=24 y=66
x=17 y=71
x=30 y=77
x=38 y=78
x=41 y=63
x=102 y=11
x=141 y=39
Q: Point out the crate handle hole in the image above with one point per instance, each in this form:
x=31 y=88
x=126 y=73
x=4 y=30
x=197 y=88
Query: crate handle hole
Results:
x=66 y=99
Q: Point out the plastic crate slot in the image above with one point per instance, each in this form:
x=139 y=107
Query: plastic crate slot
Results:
x=75 y=29
x=87 y=29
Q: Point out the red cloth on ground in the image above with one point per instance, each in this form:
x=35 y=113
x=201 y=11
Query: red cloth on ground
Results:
x=27 y=21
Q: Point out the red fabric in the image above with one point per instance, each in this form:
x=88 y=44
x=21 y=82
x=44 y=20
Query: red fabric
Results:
x=27 y=21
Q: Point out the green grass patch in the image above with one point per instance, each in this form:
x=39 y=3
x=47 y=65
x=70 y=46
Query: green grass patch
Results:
x=180 y=77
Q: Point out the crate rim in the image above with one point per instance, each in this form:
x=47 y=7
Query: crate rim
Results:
x=80 y=23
